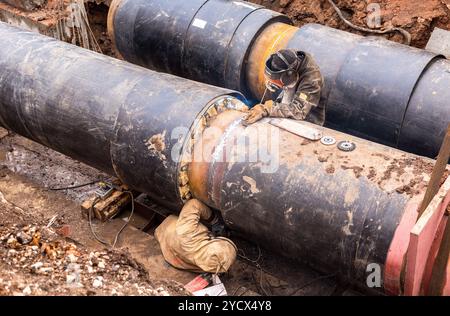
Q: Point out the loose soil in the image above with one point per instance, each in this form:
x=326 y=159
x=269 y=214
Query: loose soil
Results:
x=416 y=16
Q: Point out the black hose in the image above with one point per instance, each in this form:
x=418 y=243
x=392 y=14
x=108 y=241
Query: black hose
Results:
x=406 y=35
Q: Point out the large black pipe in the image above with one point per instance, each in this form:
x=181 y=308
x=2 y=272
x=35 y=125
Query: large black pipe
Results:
x=172 y=35
x=112 y=115
x=381 y=90
x=374 y=88
x=336 y=211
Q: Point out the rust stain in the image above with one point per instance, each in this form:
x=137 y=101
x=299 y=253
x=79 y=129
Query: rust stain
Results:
x=253 y=188
x=114 y=6
x=372 y=173
x=385 y=157
x=351 y=195
x=324 y=158
x=203 y=149
x=330 y=169
x=408 y=188
x=305 y=142
x=356 y=170
x=157 y=143
x=274 y=38
x=346 y=228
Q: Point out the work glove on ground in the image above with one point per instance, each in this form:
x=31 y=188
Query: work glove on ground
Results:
x=258 y=112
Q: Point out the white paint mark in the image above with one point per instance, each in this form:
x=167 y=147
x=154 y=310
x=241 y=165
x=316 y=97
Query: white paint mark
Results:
x=199 y=23
x=346 y=229
x=288 y=215
x=245 y=5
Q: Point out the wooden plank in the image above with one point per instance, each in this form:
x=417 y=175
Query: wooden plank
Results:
x=425 y=287
x=109 y=207
x=424 y=234
x=422 y=238
x=440 y=274
x=399 y=248
x=438 y=172
x=446 y=291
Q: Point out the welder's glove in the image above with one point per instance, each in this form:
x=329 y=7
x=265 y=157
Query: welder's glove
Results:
x=258 y=112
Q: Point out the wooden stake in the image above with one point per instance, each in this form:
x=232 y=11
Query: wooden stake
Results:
x=438 y=172
x=438 y=275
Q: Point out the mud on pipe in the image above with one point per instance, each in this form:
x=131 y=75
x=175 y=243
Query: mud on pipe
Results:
x=337 y=212
x=374 y=89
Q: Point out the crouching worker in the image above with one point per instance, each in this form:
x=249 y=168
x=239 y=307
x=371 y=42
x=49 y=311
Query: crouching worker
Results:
x=293 y=89
x=189 y=245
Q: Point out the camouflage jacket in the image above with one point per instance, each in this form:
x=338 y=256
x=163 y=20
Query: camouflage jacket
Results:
x=301 y=101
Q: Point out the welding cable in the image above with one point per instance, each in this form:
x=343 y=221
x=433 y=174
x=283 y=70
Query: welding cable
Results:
x=406 y=34
x=91 y=210
x=324 y=277
x=116 y=238
x=243 y=256
x=75 y=186
x=237 y=289
x=78 y=186
x=258 y=266
x=127 y=221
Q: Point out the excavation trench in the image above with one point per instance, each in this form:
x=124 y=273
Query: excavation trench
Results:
x=262 y=179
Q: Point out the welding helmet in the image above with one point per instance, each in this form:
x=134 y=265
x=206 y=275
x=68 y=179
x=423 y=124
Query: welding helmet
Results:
x=282 y=68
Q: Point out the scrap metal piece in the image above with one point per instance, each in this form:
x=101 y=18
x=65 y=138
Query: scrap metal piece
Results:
x=298 y=128
x=215 y=290
x=346 y=146
x=328 y=140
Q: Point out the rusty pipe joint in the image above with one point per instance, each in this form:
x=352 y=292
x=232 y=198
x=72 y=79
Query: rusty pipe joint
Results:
x=338 y=212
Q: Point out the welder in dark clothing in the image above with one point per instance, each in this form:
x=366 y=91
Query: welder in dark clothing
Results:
x=293 y=89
